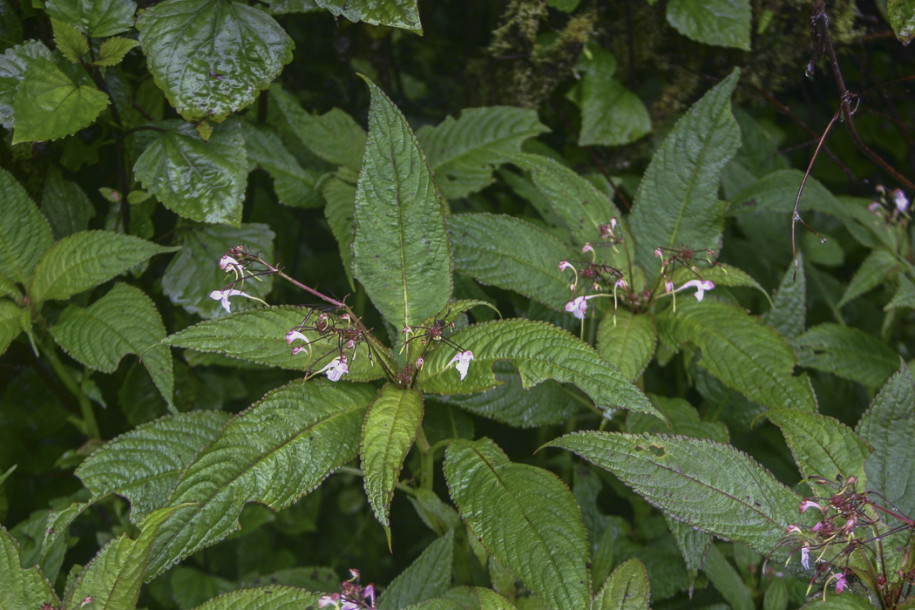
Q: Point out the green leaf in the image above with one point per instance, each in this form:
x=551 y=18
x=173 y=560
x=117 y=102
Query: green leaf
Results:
x=65 y=205
x=789 y=312
x=21 y=588
x=742 y=353
x=822 y=446
x=276 y=451
x=69 y=41
x=837 y=601
x=677 y=201
x=847 y=352
x=10 y=326
x=97 y=18
x=874 y=271
x=776 y=192
x=144 y=464
x=708 y=485
x=539 y=351
x=682 y=419
x=901 y=15
x=627 y=341
x=387 y=435
x=627 y=588
x=341 y=204
x=504 y=251
x=281 y=598
x=692 y=543
x=727 y=580
x=428 y=576
x=84 y=260
x=194 y=272
x=392 y=13
x=49 y=105
x=904 y=296
x=400 y=250
x=464 y=152
x=24 y=232
x=889 y=427
x=124 y=321
x=525 y=516
x=203 y=181
x=211 y=57
x=722 y=23
x=294 y=185
x=113 y=51
x=13 y=64
x=722 y=275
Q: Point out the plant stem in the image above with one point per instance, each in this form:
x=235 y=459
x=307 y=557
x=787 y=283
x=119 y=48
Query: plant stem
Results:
x=85 y=406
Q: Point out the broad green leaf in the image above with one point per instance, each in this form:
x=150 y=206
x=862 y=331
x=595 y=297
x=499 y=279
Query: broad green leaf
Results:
x=466 y=598
x=114 y=576
x=889 y=427
x=341 y=204
x=627 y=341
x=124 y=321
x=682 y=419
x=525 y=516
x=203 y=181
x=436 y=514
x=144 y=464
x=21 y=588
x=692 y=543
x=874 y=271
x=387 y=435
x=294 y=185
x=69 y=41
x=10 y=327
x=276 y=451
x=113 y=51
x=776 y=192
x=96 y=18
x=539 y=351
x=822 y=446
x=739 y=351
x=49 y=104
x=901 y=15
x=722 y=23
x=708 y=485
x=789 y=312
x=721 y=274
x=727 y=580
x=510 y=253
x=847 y=352
x=904 y=296
x=464 y=152
x=84 y=260
x=65 y=205
x=259 y=336
x=627 y=588
x=400 y=249
x=392 y=13
x=839 y=601
x=677 y=201
x=212 y=57
x=13 y=64
x=426 y=577
x=24 y=232
x=281 y=598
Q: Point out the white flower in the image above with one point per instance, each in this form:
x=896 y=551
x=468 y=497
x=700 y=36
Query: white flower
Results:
x=336 y=368
x=700 y=285
x=587 y=248
x=900 y=200
x=621 y=284
x=227 y=262
x=461 y=362
x=223 y=297
x=805 y=557
x=578 y=307
x=294 y=335
x=564 y=264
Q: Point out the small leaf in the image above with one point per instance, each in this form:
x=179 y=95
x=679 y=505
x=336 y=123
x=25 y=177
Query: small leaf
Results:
x=789 y=312
x=285 y=598
x=776 y=192
x=10 y=327
x=392 y=13
x=525 y=516
x=203 y=181
x=211 y=57
x=727 y=580
x=708 y=485
x=13 y=64
x=722 y=23
x=627 y=588
x=24 y=232
x=22 y=588
x=901 y=15
x=97 y=18
x=428 y=576
x=65 y=205
x=847 y=352
x=84 y=260
x=904 y=296
x=294 y=185
x=387 y=435
x=874 y=271
x=400 y=250
x=627 y=341
x=113 y=51
x=69 y=41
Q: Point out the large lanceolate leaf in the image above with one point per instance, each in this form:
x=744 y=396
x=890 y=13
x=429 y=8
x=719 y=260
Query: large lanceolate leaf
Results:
x=706 y=484
x=203 y=181
x=124 y=321
x=144 y=464
x=742 y=353
x=789 y=312
x=847 y=352
x=294 y=185
x=464 y=152
x=677 y=201
x=273 y=453
x=24 y=232
x=525 y=516
x=723 y=23
x=874 y=271
x=889 y=427
x=510 y=253
x=341 y=201
x=821 y=445
x=21 y=588
x=539 y=351
x=86 y=259
x=10 y=326
x=426 y=577
x=281 y=598
x=627 y=588
x=776 y=192
x=97 y=18
x=212 y=57
x=627 y=341
x=400 y=250
x=389 y=431
x=392 y=13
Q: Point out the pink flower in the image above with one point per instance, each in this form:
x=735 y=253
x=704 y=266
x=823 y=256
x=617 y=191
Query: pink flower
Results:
x=900 y=200
x=223 y=297
x=578 y=307
x=700 y=285
x=294 y=335
x=461 y=362
x=657 y=253
x=793 y=529
x=621 y=284
x=668 y=286
x=336 y=368
x=841 y=582
x=564 y=264
x=805 y=557
x=227 y=262
x=419 y=363
x=810 y=504
x=300 y=349
x=369 y=594
x=587 y=248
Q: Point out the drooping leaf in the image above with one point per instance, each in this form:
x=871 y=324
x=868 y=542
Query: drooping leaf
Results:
x=677 y=201
x=727 y=580
x=392 y=13
x=203 y=181
x=294 y=185
x=22 y=588
x=428 y=576
x=539 y=351
x=400 y=249
x=513 y=254
x=627 y=341
x=273 y=453
x=281 y=598
x=874 y=271
x=722 y=23
x=65 y=205
x=789 y=312
x=693 y=544
x=847 y=352
x=112 y=51
x=739 y=351
x=525 y=516
x=96 y=18
x=627 y=588
x=341 y=204
x=212 y=57
x=86 y=259
x=463 y=152
x=708 y=485
x=901 y=15
x=24 y=232
x=124 y=321
x=10 y=326
x=387 y=435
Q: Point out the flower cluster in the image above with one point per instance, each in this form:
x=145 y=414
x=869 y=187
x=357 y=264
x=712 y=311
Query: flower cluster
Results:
x=353 y=596
x=339 y=331
x=435 y=333
x=891 y=205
